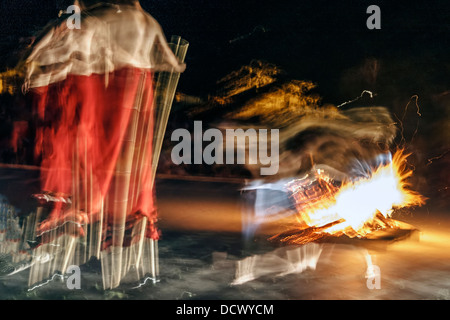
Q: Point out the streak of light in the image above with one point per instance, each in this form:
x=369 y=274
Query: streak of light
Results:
x=430 y=161
x=154 y=280
x=402 y=129
x=371 y=94
x=58 y=226
x=56 y=275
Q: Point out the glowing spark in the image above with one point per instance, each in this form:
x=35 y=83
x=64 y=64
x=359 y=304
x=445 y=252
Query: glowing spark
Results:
x=417 y=105
x=371 y=94
x=403 y=140
x=258 y=28
x=430 y=161
x=21 y=268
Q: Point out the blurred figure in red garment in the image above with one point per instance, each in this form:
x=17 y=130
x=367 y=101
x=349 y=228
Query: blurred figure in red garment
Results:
x=93 y=101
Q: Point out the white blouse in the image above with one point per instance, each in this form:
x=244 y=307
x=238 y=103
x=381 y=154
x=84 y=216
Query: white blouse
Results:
x=110 y=37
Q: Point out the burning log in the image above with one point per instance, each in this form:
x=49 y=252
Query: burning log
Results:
x=328 y=210
x=303 y=236
x=384 y=231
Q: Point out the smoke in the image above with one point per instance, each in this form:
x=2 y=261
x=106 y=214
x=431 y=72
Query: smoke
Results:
x=337 y=142
x=344 y=144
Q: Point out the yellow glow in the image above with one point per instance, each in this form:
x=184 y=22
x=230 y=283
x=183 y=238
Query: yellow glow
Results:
x=9 y=80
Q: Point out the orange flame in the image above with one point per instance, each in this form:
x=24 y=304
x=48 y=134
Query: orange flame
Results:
x=354 y=208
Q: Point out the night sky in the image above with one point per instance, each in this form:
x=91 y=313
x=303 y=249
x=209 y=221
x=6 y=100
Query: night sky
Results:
x=313 y=40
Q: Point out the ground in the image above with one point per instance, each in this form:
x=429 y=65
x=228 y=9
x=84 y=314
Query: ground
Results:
x=202 y=243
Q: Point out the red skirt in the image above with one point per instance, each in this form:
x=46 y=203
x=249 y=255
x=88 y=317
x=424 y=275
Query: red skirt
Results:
x=94 y=139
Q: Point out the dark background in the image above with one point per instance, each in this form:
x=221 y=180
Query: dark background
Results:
x=313 y=40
